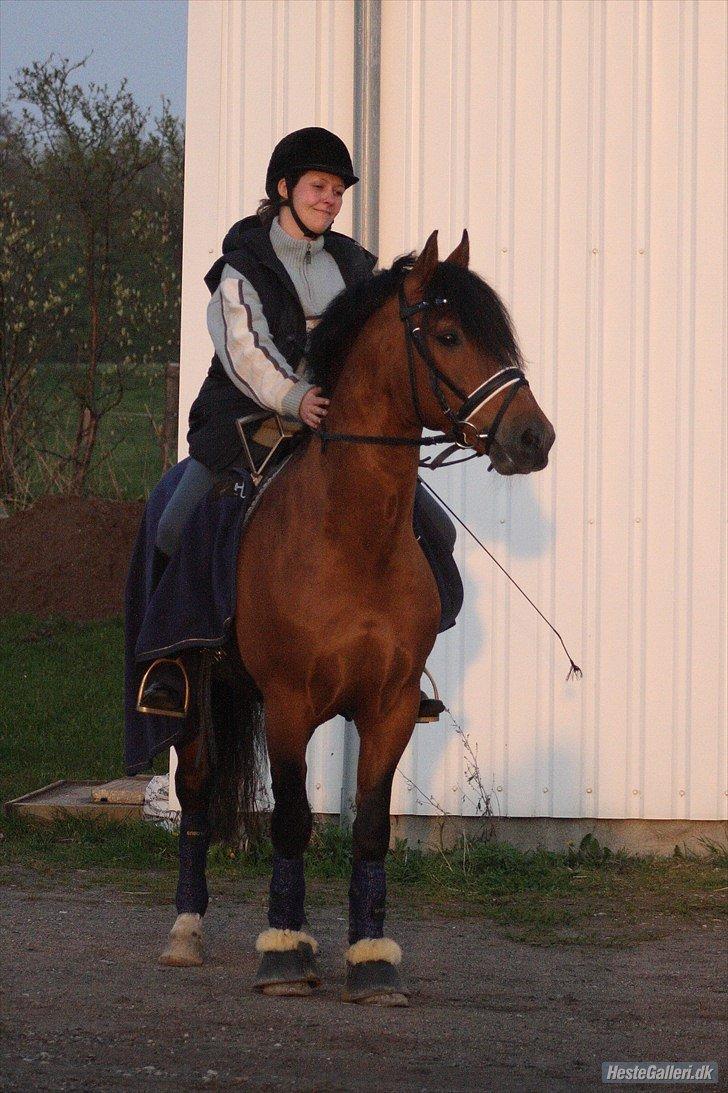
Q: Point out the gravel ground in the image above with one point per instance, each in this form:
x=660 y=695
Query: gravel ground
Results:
x=87 y=1007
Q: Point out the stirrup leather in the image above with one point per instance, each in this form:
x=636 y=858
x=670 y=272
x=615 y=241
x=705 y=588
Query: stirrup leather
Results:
x=178 y=663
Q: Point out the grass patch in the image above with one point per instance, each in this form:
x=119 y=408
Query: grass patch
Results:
x=62 y=718
x=127 y=458
x=61 y=702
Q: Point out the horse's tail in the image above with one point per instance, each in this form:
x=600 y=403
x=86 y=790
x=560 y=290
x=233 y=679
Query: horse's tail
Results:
x=232 y=719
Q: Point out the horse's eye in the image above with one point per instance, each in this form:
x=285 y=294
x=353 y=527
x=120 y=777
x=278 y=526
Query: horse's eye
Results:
x=448 y=338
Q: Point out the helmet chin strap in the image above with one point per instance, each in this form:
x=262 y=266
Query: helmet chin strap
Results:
x=289 y=203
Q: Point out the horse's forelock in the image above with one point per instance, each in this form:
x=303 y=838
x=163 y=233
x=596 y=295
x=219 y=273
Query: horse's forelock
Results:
x=480 y=311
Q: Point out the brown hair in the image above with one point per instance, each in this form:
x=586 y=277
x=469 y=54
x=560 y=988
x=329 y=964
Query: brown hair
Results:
x=268 y=210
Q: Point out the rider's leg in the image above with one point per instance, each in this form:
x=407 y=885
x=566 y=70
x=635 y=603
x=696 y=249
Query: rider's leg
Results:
x=192 y=782
x=436 y=534
x=164 y=690
x=435 y=516
x=191 y=488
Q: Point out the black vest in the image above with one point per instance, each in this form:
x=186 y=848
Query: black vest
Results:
x=213 y=437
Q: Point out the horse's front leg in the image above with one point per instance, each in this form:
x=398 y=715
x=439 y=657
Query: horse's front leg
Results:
x=372 y=960
x=193 y=783
x=287 y=953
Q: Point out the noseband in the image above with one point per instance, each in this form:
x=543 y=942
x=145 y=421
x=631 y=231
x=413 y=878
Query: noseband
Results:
x=463 y=433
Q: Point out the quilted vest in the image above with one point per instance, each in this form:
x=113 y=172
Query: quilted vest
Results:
x=213 y=438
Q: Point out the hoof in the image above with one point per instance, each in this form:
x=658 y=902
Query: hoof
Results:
x=184 y=949
x=285 y=990
x=372 y=977
x=287 y=964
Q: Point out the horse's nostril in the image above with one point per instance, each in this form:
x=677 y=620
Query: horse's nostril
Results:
x=530 y=440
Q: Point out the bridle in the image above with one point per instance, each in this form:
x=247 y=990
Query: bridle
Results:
x=463 y=433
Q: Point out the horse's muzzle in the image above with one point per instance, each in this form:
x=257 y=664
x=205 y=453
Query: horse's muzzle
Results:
x=524 y=447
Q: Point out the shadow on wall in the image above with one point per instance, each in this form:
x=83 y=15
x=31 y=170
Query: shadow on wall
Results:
x=507 y=516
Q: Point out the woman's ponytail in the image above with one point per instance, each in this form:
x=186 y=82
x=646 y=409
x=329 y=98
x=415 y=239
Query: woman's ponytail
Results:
x=268 y=210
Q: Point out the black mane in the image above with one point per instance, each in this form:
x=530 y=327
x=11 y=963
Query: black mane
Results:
x=479 y=310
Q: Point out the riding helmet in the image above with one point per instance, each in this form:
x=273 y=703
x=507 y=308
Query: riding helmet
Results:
x=311 y=149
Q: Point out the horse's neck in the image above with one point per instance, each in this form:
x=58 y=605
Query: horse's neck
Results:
x=374 y=479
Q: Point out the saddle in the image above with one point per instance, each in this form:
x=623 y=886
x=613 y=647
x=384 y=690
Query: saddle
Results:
x=264 y=436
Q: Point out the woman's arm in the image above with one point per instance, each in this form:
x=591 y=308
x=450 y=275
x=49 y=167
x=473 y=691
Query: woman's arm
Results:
x=243 y=342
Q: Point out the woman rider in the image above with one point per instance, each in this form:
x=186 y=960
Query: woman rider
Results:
x=278 y=272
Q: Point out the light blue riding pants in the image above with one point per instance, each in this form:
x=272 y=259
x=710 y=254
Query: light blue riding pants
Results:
x=192 y=487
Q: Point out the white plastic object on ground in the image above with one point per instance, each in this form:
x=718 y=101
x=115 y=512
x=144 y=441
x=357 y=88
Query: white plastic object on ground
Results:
x=156 y=804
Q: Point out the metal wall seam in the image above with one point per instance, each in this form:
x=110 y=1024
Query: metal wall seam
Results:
x=685 y=399
x=637 y=432
x=503 y=272
x=662 y=473
x=453 y=680
x=549 y=350
x=710 y=366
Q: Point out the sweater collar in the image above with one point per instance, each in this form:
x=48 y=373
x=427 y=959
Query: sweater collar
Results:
x=290 y=250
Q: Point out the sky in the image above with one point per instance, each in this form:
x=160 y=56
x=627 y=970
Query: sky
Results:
x=144 y=40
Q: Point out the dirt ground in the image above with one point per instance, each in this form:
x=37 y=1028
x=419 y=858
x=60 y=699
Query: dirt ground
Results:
x=67 y=556
x=88 y=1008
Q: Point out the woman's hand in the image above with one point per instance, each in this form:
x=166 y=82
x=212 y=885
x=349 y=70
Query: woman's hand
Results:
x=313 y=408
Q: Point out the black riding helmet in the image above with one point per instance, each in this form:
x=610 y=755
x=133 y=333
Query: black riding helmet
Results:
x=310 y=149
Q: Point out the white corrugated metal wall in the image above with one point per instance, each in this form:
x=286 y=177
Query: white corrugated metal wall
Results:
x=584 y=146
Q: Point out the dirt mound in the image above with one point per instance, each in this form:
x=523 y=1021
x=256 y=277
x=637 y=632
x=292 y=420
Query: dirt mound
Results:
x=67 y=556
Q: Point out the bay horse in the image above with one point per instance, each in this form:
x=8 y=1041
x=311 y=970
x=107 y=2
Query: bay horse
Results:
x=337 y=608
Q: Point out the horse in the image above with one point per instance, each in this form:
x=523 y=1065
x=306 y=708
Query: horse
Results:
x=337 y=609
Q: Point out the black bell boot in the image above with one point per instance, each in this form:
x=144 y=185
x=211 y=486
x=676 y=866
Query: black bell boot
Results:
x=372 y=960
x=287 y=953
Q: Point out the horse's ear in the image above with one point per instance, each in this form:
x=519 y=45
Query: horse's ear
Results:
x=423 y=270
x=461 y=255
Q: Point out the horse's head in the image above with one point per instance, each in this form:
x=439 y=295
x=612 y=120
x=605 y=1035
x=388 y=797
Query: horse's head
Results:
x=465 y=367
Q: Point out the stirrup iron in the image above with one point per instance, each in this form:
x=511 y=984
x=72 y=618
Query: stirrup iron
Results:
x=437 y=703
x=178 y=663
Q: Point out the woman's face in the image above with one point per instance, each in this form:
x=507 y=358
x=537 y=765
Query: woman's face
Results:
x=317 y=197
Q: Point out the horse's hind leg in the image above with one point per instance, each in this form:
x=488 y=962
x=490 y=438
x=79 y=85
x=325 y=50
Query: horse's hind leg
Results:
x=287 y=953
x=184 y=948
x=372 y=960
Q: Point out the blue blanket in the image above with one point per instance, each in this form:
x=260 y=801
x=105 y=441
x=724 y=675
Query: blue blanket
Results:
x=192 y=606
